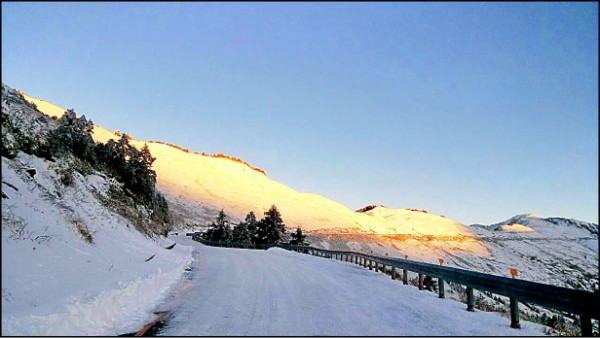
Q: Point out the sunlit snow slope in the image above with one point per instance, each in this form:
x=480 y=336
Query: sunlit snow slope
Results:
x=222 y=183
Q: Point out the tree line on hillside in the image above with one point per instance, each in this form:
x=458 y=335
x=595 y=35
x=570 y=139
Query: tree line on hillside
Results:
x=118 y=159
x=268 y=230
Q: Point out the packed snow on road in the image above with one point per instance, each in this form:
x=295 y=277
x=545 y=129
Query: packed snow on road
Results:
x=277 y=292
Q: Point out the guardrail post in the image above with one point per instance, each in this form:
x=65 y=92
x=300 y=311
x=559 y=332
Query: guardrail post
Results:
x=420 y=282
x=404 y=277
x=384 y=268
x=514 y=314
x=441 y=288
x=470 y=299
x=586 y=326
x=393 y=272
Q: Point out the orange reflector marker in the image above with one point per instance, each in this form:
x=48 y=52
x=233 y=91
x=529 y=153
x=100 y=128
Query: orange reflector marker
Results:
x=514 y=272
x=441 y=260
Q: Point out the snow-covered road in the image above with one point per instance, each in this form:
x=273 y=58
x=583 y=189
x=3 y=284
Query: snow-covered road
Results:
x=276 y=292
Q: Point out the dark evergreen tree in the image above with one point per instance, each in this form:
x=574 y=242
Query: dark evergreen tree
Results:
x=270 y=228
x=240 y=233
x=251 y=225
x=297 y=237
x=73 y=136
x=219 y=230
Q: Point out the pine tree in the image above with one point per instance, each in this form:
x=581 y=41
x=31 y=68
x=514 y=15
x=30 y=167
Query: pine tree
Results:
x=297 y=237
x=251 y=225
x=270 y=228
x=219 y=230
x=73 y=136
x=240 y=233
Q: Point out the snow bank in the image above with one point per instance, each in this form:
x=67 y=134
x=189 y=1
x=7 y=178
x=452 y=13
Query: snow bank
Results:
x=110 y=313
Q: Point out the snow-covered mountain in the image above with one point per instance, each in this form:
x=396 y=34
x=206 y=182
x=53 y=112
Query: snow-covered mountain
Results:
x=197 y=185
x=221 y=182
x=548 y=226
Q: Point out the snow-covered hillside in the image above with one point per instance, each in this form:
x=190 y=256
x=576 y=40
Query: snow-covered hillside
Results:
x=198 y=185
x=70 y=266
x=216 y=182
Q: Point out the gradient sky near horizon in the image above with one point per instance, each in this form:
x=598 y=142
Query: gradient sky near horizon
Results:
x=477 y=111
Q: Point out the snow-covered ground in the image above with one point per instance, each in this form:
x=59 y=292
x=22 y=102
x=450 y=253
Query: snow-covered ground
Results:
x=53 y=281
x=276 y=292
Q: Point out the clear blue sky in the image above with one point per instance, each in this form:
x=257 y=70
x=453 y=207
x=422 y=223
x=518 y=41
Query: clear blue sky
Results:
x=476 y=111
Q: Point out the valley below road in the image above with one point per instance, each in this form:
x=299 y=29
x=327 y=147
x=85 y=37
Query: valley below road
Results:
x=276 y=292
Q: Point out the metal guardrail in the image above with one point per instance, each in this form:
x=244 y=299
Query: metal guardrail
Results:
x=582 y=303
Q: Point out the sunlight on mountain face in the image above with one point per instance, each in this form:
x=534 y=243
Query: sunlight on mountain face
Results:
x=516 y=228
x=220 y=182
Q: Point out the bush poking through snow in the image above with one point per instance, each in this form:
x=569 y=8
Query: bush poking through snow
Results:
x=82 y=228
x=15 y=226
x=66 y=175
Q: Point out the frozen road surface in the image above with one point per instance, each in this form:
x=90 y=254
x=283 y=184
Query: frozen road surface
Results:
x=276 y=292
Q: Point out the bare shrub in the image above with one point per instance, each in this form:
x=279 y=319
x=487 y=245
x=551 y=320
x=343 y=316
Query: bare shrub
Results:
x=81 y=228
x=15 y=226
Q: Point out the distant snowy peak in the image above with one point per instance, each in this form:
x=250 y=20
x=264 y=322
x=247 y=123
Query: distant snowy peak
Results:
x=549 y=226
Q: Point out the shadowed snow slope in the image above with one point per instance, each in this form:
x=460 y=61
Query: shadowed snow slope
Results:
x=222 y=183
x=53 y=282
x=70 y=266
